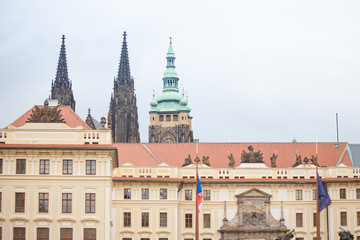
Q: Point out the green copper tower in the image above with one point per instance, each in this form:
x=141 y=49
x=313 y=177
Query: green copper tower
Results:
x=170 y=120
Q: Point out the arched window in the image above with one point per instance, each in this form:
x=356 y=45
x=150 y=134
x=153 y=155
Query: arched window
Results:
x=176 y=117
x=168 y=118
x=161 y=118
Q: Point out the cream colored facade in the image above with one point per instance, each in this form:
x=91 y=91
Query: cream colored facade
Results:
x=56 y=142
x=284 y=184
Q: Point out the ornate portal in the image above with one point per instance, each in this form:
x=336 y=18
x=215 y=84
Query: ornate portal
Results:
x=253 y=219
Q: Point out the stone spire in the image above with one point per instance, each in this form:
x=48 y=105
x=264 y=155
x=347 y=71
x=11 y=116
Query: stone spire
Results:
x=124 y=66
x=170 y=78
x=123 y=116
x=61 y=88
x=89 y=120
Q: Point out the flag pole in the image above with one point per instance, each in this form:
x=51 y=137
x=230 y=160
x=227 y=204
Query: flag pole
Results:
x=196 y=201
x=317 y=198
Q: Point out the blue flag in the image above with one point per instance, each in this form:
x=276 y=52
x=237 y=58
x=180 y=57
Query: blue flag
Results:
x=324 y=198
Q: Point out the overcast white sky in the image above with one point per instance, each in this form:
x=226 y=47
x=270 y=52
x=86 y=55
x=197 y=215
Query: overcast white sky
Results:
x=254 y=70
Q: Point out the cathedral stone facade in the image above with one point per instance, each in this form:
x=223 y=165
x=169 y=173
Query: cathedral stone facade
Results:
x=170 y=120
x=61 y=88
x=123 y=116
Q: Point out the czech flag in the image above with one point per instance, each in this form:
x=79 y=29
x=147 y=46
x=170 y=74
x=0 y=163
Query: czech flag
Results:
x=199 y=195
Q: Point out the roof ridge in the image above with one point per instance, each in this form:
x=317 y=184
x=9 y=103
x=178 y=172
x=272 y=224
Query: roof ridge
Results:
x=151 y=152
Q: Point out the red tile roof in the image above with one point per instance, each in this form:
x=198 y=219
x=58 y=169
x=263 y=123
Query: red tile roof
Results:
x=71 y=118
x=174 y=154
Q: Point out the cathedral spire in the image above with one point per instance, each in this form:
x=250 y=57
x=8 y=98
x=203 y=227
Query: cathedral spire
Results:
x=124 y=66
x=62 y=72
x=61 y=87
x=170 y=78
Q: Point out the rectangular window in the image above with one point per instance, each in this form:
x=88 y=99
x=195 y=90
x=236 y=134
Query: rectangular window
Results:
x=89 y=233
x=0 y=201
x=44 y=167
x=314 y=219
x=163 y=219
x=358 y=193
x=1 y=233
x=298 y=194
x=144 y=219
x=188 y=220
x=67 y=202
x=90 y=167
x=188 y=194
x=1 y=166
x=207 y=223
x=43 y=202
x=20 y=166
x=207 y=194
x=299 y=220
x=358 y=218
x=342 y=193
x=42 y=234
x=343 y=218
x=19 y=233
x=314 y=194
x=127 y=219
x=67 y=167
x=90 y=202
x=144 y=193
x=163 y=193
x=127 y=193
x=19 y=202
x=66 y=234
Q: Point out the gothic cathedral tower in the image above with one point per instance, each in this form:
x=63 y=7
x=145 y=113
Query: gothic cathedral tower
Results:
x=61 y=88
x=170 y=120
x=123 y=114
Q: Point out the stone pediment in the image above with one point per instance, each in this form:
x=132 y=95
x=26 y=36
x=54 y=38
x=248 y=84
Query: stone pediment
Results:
x=254 y=192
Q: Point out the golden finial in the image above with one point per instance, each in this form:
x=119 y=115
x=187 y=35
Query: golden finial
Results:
x=170 y=35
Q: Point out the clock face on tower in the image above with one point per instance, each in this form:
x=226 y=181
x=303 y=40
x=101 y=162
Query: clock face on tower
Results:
x=168 y=140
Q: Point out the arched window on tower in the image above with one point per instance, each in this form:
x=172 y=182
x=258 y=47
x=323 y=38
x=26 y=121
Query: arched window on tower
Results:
x=176 y=117
x=168 y=118
x=161 y=118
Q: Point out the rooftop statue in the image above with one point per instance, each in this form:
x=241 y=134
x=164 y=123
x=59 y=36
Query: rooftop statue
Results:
x=206 y=160
x=273 y=160
x=231 y=160
x=46 y=114
x=251 y=156
x=187 y=161
x=314 y=160
x=298 y=161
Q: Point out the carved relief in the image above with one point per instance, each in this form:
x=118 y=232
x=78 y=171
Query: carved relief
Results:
x=46 y=114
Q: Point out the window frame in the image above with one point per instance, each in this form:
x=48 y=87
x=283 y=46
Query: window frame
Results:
x=206 y=220
x=207 y=194
x=44 y=166
x=145 y=219
x=145 y=193
x=19 y=201
x=90 y=202
x=68 y=231
x=188 y=220
x=163 y=193
x=163 y=219
x=343 y=218
x=298 y=194
x=357 y=193
x=45 y=235
x=1 y=165
x=89 y=232
x=66 y=202
x=90 y=167
x=67 y=169
x=20 y=166
x=21 y=233
x=299 y=223
x=188 y=194
x=43 y=202
x=342 y=193
x=127 y=193
x=127 y=219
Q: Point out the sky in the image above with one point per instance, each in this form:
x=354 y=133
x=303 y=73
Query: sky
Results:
x=254 y=71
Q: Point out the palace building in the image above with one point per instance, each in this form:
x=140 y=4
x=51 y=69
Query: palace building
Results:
x=65 y=178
